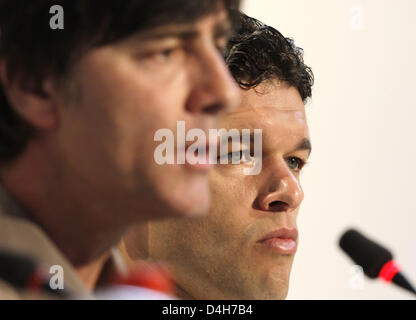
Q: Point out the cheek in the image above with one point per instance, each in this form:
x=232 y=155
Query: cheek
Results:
x=119 y=98
x=232 y=202
x=184 y=245
x=130 y=91
x=233 y=189
x=146 y=105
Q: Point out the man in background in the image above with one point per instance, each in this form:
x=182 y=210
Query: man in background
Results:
x=79 y=108
x=244 y=248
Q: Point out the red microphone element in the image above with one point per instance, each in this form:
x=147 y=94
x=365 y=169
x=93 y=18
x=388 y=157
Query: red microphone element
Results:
x=376 y=261
x=389 y=271
x=24 y=273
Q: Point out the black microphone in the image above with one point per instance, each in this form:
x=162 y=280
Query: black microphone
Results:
x=24 y=273
x=376 y=261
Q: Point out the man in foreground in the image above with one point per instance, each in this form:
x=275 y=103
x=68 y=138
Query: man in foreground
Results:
x=244 y=248
x=79 y=108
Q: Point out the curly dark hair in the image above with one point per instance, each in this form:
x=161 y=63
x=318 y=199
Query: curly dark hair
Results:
x=32 y=51
x=258 y=52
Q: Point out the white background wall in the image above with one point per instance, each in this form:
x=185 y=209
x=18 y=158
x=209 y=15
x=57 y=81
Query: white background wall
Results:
x=362 y=171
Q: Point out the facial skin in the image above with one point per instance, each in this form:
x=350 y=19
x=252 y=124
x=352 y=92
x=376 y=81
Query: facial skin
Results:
x=95 y=171
x=158 y=78
x=218 y=256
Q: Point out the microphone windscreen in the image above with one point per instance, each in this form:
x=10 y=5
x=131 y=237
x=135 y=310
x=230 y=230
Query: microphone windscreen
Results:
x=365 y=252
x=16 y=269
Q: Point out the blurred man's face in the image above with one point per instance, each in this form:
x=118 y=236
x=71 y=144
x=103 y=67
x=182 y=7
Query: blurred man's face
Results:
x=119 y=95
x=245 y=247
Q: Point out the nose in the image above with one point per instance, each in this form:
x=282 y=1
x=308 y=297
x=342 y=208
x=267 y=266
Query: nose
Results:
x=213 y=88
x=282 y=192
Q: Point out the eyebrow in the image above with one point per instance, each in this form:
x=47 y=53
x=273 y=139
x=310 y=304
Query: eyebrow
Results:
x=185 y=31
x=305 y=144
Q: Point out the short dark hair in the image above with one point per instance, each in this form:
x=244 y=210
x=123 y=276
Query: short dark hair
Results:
x=258 y=52
x=32 y=50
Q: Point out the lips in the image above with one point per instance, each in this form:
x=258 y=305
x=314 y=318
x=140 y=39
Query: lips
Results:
x=282 y=241
x=203 y=162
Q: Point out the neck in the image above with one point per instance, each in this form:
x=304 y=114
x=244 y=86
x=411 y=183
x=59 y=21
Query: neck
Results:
x=73 y=215
x=91 y=272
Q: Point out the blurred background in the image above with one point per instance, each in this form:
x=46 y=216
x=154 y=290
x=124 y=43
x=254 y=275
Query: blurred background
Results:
x=363 y=127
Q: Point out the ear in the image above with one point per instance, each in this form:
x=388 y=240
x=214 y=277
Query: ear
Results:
x=40 y=111
x=136 y=242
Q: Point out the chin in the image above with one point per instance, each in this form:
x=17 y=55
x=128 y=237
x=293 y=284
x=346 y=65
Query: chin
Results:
x=260 y=293
x=279 y=293
x=275 y=287
x=177 y=192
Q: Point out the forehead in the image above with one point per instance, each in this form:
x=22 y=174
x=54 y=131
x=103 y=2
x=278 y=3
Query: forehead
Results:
x=214 y=22
x=275 y=107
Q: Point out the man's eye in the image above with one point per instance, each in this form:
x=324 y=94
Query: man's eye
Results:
x=295 y=163
x=242 y=156
x=165 y=55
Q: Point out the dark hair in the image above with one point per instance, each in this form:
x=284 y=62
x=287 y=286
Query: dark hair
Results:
x=258 y=52
x=32 y=50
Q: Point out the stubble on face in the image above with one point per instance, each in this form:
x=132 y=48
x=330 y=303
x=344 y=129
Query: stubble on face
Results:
x=119 y=95
x=216 y=257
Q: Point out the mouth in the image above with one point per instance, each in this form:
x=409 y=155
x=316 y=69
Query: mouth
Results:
x=282 y=241
x=199 y=161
